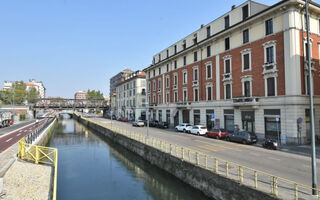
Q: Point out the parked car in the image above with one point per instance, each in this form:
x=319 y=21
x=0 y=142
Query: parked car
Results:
x=188 y=129
x=244 y=137
x=217 y=133
x=114 y=117
x=124 y=119
x=182 y=127
x=138 y=123
x=199 y=130
x=153 y=123
x=162 y=125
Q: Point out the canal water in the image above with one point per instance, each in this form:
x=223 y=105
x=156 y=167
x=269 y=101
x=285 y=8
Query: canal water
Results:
x=90 y=167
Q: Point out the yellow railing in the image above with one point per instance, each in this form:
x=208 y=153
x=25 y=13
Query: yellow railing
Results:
x=266 y=182
x=40 y=154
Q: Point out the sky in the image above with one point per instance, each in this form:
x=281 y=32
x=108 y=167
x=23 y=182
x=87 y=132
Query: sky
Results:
x=73 y=45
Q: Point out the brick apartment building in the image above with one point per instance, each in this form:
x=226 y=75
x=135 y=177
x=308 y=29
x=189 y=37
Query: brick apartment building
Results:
x=247 y=67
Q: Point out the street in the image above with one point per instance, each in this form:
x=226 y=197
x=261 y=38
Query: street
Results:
x=286 y=165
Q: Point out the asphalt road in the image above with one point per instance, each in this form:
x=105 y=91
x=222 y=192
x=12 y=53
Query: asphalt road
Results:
x=15 y=127
x=286 y=165
x=13 y=136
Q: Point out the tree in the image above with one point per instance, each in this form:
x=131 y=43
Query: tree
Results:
x=20 y=92
x=6 y=96
x=32 y=95
x=92 y=94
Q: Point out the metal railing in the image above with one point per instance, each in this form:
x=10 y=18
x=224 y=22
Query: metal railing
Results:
x=259 y=180
x=40 y=154
x=37 y=132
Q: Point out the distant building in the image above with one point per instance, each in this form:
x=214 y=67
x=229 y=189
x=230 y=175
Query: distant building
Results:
x=7 y=85
x=115 y=80
x=131 y=97
x=80 y=95
x=38 y=85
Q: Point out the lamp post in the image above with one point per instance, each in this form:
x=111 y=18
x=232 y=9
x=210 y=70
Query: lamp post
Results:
x=313 y=155
x=148 y=119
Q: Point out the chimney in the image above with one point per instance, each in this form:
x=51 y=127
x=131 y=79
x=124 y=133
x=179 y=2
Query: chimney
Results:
x=233 y=7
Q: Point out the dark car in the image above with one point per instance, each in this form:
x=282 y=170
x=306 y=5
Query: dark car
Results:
x=114 y=117
x=217 y=133
x=162 y=125
x=244 y=137
x=153 y=123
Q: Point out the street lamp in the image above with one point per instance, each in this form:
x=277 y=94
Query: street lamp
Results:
x=313 y=155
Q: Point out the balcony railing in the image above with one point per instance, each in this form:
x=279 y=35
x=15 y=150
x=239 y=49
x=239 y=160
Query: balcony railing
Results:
x=227 y=76
x=195 y=83
x=269 y=67
x=245 y=101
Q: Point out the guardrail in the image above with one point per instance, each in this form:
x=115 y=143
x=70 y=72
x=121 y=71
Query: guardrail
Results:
x=40 y=154
x=34 y=135
x=266 y=182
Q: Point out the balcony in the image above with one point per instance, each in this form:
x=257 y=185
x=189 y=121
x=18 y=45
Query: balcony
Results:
x=175 y=87
x=195 y=83
x=183 y=104
x=269 y=68
x=245 y=101
x=227 y=77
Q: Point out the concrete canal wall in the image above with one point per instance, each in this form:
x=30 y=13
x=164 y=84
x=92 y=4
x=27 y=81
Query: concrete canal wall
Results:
x=211 y=184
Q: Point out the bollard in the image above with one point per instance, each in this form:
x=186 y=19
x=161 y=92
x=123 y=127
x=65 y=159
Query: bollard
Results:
x=255 y=179
x=197 y=158
x=216 y=164
x=227 y=169
x=206 y=161
x=182 y=153
x=240 y=174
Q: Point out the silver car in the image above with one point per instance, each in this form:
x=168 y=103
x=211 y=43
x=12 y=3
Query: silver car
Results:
x=138 y=123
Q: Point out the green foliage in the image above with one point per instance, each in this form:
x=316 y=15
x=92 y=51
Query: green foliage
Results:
x=22 y=117
x=6 y=96
x=20 y=92
x=32 y=95
x=92 y=94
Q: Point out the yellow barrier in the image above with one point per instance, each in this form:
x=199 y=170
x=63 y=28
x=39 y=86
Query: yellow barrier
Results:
x=277 y=186
x=40 y=154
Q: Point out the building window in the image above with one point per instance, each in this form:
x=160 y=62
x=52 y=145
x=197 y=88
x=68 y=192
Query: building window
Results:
x=175 y=49
x=184 y=45
x=195 y=74
x=246 y=61
x=196 y=94
x=208 y=51
x=269 y=26
x=154 y=72
x=175 y=81
x=228 y=91
x=159 y=84
x=209 y=71
x=270 y=55
x=167 y=82
x=168 y=97
x=159 y=70
x=159 y=99
x=227 y=43
x=167 y=67
x=154 y=98
x=247 y=89
x=245 y=35
x=149 y=75
x=167 y=53
x=184 y=60
x=185 y=77
x=209 y=93
x=227 y=67
x=185 y=94
x=271 y=89
x=154 y=85
x=245 y=12
x=195 y=40
x=208 y=31
x=159 y=57
x=149 y=88
x=175 y=64
x=175 y=96
x=226 y=22
x=195 y=56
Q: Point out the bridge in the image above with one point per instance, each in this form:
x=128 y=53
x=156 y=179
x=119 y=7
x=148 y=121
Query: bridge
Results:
x=70 y=104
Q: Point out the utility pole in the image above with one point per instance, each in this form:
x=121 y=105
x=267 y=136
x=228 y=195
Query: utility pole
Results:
x=313 y=156
x=148 y=119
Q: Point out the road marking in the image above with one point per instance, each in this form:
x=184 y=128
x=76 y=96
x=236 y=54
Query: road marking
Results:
x=8 y=139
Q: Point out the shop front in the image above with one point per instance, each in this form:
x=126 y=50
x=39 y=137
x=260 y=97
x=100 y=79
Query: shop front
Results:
x=160 y=115
x=196 y=117
x=168 y=117
x=209 y=119
x=272 y=123
x=185 y=116
x=229 y=120
x=247 y=118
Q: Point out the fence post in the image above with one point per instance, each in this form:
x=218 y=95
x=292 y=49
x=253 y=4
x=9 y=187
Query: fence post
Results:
x=197 y=158
x=227 y=169
x=161 y=145
x=255 y=179
x=37 y=155
x=206 y=161
x=170 y=149
x=275 y=185
x=216 y=164
x=240 y=174
x=182 y=153
x=189 y=157
x=296 y=196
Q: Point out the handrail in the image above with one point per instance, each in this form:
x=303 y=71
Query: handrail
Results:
x=276 y=186
x=40 y=154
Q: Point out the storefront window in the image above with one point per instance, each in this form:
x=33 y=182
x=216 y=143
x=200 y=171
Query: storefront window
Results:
x=196 y=117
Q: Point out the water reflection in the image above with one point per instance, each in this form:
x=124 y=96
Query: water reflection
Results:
x=92 y=167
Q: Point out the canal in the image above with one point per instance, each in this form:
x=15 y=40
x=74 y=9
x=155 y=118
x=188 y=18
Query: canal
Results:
x=91 y=167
